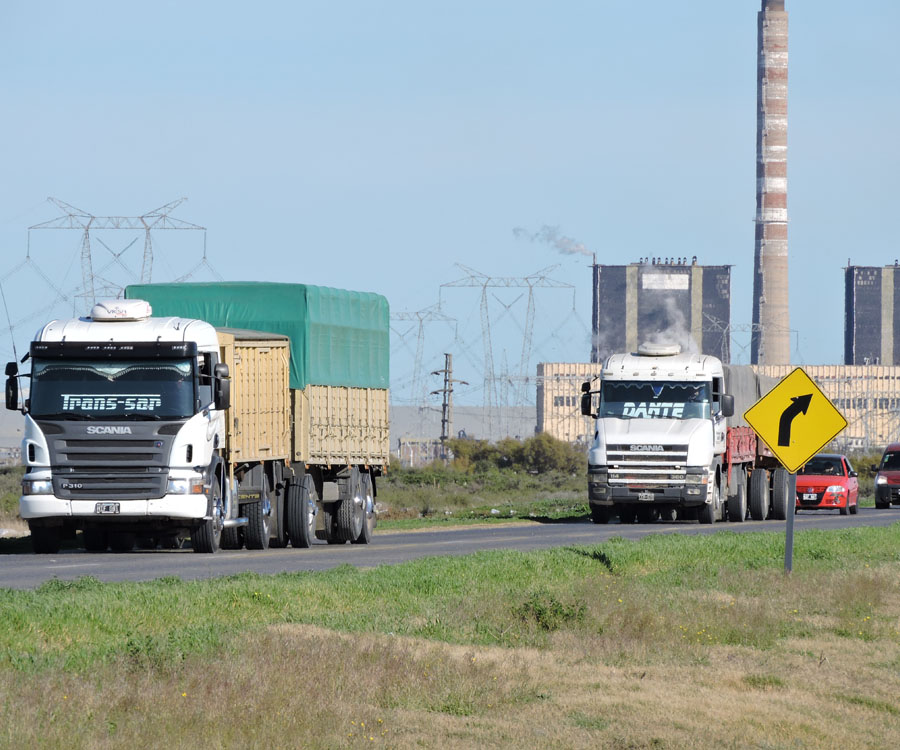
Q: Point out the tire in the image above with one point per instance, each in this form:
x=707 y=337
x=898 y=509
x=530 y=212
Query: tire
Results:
x=94 y=540
x=708 y=511
x=122 y=541
x=259 y=513
x=45 y=540
x=281 y=536
x=846 y=509
x=854 y=509
x=330 y=522
x=350 y=510
x=780 y=488
x=759 y=495
x=737 y=503
x=369 y=520
x=232 y=538
x=300 y=512
x=600 y=514
x=207 y=537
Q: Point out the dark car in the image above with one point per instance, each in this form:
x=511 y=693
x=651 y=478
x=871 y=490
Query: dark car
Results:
x=828 y=480
x=887 y=480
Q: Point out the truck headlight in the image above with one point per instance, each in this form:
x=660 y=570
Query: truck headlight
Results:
x=185 y=487
x=37 y=487
x=696 y=478
x=881 y=479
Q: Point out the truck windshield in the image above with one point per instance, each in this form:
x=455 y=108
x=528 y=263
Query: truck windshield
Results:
x=129 y=389
x=641 y=399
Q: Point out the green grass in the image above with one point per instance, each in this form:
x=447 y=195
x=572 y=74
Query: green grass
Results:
x=654 y=591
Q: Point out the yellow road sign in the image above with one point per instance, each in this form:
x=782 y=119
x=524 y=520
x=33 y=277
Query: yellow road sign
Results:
x=795 y=419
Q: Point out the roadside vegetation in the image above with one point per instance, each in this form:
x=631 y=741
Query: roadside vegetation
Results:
x=672 y=641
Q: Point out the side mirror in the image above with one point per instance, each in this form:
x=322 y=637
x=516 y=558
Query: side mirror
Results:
x=585 y=386
x=11 y=369
x=727 y=401
x=12 y=392
x=586 y=405
x=854 y=473
x=222 y=386
x=873 y=467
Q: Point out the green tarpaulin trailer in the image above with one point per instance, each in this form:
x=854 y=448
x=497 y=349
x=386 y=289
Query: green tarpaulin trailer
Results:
x=338 y=337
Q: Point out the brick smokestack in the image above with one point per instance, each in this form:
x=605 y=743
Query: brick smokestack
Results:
x=771 y=343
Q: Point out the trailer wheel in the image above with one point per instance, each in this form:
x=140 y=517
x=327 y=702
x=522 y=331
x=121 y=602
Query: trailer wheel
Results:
x=208 y=535
x=258 y=513
x=94 y=539
x=350 y=507
x=759 y=494
x=45 y=540
x=780 y=488
x=708 y=511
x=368 y=525
x=600 y=514
x=232 y=538
x=737 y=503
x=300 y=512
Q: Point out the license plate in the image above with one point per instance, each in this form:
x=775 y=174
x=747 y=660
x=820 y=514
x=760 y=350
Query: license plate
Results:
x=810 y=496
x=106 y=508
x=645 y=497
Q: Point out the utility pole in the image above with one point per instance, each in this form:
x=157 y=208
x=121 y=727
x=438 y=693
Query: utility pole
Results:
x=447 y=406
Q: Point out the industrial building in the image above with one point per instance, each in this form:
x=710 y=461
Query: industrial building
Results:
x=867 y=396
x=663 y=300
x=872 y=315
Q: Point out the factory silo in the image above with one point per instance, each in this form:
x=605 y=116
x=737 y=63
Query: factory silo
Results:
x=770 y=343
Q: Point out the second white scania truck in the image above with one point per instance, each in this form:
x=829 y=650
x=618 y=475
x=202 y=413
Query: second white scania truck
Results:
x=669 y=444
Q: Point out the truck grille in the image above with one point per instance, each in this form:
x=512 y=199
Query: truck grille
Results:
x=129 y=467
x=638 y=468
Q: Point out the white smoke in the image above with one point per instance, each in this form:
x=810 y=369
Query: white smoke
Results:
x=677 y=330
x=553 y=236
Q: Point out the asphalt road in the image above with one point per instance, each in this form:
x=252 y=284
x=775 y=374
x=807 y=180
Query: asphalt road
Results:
x=23 y=571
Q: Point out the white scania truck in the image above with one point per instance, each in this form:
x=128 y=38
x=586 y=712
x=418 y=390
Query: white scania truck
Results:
x=148 y=430
x=663 y=446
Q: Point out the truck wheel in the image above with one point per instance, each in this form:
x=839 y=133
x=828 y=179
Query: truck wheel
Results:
x=258 y=513
x=94 y=540
x=208 y=535
x=759 y=495
x=300 y=512
x=350 y=510
x=232 y=538
x=737 y=503
x=708 y=511
x=279 y=513
x=780 y=488
x=368 y=525
x=45 y=540
x=600 y=514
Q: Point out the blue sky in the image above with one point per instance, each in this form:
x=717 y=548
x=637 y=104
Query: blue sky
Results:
x=375 y=145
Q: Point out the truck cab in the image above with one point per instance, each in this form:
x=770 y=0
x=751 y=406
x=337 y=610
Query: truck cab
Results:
x=123 y=428
x=661 y=428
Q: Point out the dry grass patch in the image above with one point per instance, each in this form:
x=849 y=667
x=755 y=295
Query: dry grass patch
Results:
x=303 y=686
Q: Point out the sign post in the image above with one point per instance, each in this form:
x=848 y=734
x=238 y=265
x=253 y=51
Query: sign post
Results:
x=795 y=420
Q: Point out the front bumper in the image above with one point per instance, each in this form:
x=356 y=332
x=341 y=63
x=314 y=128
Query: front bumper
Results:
x=181 y=507
x=887 y=493
x=688 y=495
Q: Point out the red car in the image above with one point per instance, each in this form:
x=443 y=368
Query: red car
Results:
x=828 y=481
x=887 y=480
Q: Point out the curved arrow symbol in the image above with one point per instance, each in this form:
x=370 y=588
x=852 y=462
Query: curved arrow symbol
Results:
x=798 y=406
